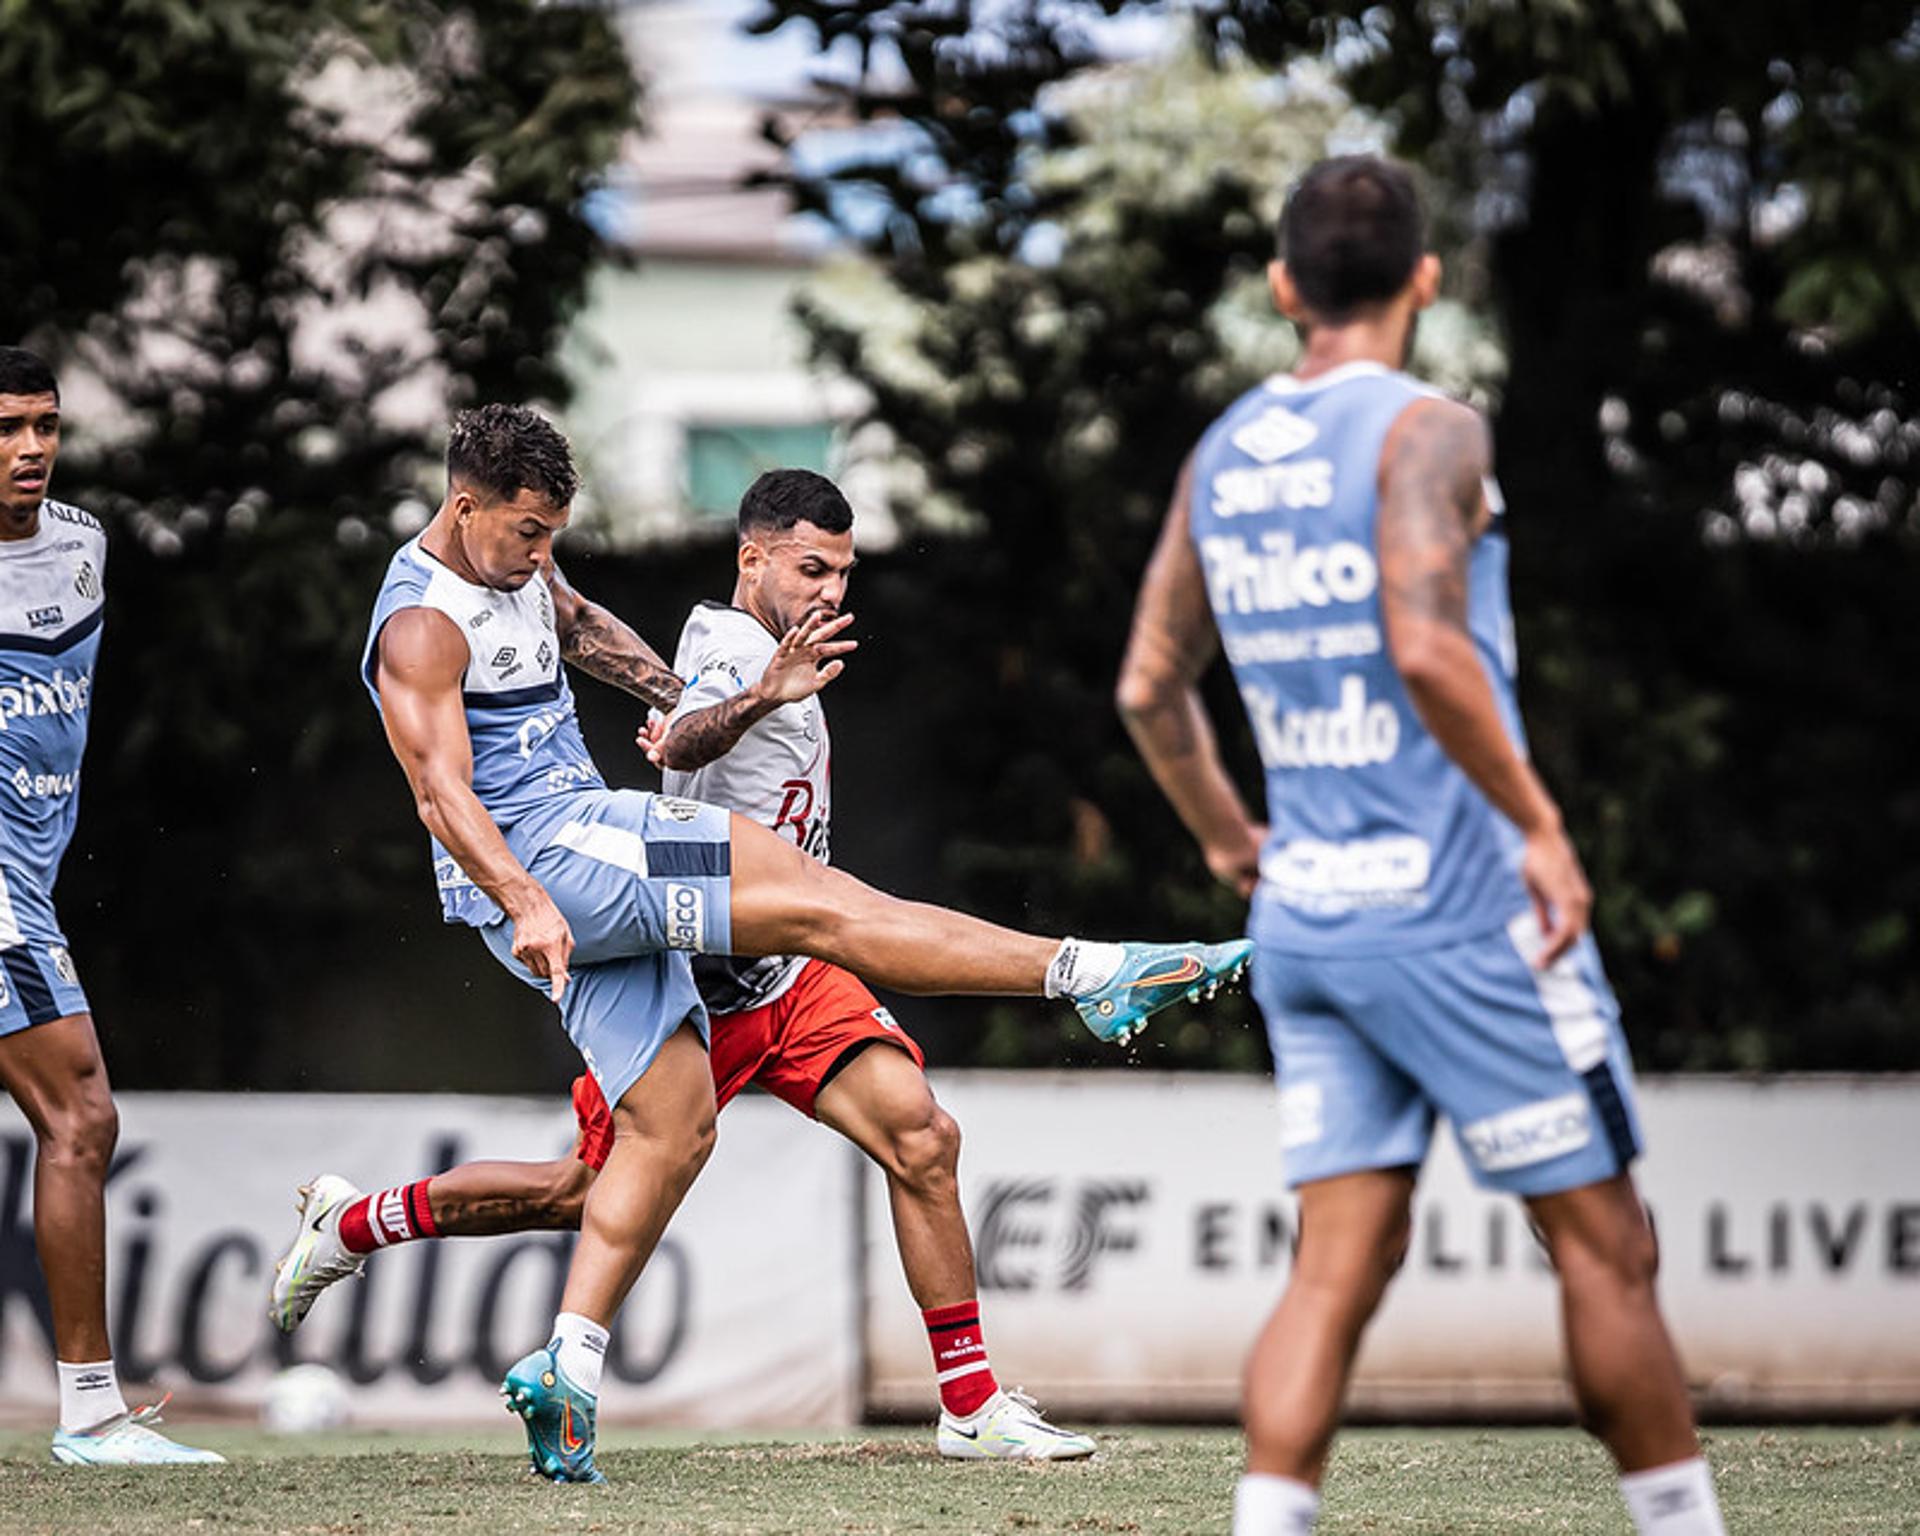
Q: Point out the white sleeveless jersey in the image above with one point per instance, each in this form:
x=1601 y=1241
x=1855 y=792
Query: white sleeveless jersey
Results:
x=777 y=774
x=528 y=754
x=51 y=606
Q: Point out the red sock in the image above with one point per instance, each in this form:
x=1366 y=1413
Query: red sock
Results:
x=396 y=1215
x=960 y=1357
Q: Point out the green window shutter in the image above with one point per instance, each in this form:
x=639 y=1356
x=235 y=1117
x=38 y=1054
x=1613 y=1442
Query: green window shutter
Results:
x=723 y=459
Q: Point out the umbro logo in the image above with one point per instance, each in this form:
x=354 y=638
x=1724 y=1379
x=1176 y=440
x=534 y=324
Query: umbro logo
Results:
x=1273 y=434
x=504 y=656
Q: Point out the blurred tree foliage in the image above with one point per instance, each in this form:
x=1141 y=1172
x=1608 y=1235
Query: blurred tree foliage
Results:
x=267 y=244
x=1696 y=228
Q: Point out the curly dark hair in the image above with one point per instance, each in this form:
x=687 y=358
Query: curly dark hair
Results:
x=505 y=449
x=782 y=497
x=24 y=373
x=1351 y=234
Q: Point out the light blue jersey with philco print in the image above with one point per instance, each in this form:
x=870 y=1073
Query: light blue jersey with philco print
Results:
x=529 y=758
x=51 y=606
x=1377 y=842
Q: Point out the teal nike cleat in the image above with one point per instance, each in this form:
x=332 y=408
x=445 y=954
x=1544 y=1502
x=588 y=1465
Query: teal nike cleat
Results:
x=129 y=1440
x=558 y=1415
x=1155 y=975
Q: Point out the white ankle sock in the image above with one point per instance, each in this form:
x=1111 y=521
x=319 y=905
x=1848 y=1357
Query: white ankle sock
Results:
x=1675 y=1500
x=89 y=1395
x=1266 y=1505
x=1079 y=967
x=581 y=1346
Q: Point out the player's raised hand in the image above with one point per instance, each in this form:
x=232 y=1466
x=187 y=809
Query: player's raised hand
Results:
x=807 y=658
x=543 y=943
x=1562 y=899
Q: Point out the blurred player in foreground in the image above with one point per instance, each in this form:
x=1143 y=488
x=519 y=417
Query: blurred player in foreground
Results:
x=596 y=896
x=1419 y=911
x=749 y=734
x=52 y=564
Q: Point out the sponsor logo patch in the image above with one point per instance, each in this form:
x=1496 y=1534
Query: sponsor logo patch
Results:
x=886 y=1020
x=56 y=695
x=675 y=809
x=46 y=618
x=1301 y=1122
x=686 y=916
x=1274 y=434
x=1277 y=574
x=1531 y=1134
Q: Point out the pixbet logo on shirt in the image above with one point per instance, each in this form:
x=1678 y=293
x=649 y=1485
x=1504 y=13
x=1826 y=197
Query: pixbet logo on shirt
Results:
x=32 y=697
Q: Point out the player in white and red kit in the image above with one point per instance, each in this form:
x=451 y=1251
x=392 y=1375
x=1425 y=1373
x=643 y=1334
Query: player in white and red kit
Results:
x=749 y=733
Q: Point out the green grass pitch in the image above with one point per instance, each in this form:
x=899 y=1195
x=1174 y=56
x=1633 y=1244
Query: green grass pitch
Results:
x=1807 y=1482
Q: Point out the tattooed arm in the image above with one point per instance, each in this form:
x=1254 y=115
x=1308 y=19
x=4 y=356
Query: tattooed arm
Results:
x=604 y=647
x=1172 y=643
x=805 y=661
x=1433 y=471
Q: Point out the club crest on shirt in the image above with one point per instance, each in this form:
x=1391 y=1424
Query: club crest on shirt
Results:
x=86 y=581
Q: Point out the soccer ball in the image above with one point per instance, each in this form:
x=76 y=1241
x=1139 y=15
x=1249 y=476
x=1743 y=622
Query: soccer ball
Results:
x=304 y=1399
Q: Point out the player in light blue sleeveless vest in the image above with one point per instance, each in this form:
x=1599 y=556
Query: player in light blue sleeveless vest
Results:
x=52 y=600
x=1419 y=913
x=597 y=896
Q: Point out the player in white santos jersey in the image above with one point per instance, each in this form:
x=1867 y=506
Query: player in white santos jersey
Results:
x=596 y=897
x=1418 y=909
x=52 y=600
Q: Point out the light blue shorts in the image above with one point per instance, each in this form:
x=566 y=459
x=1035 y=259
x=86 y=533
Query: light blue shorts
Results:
x=643 y=881
x=1529 y=1066
x=38 y=982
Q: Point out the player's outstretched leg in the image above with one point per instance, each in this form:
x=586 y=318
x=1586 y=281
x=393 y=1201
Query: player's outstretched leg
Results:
x=55 y=1073
x=339 y=1226
x=881 y=1102
x=1632 y=1392
x=663 y=1134
x=784 y=903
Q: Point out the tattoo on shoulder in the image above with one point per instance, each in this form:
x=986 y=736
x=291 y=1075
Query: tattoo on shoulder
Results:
x=1428 y=510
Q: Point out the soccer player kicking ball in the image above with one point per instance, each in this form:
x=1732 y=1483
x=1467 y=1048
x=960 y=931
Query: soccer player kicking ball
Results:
x=52 y=560
x=749 y=734
x=1419 y=910
x=597 y=896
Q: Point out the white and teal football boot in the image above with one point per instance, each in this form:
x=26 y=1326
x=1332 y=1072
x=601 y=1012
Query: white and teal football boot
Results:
x=1152 y=976
x=129 y=1440
x=1009 y=1427
x=316 y=1257
x=559 y=1417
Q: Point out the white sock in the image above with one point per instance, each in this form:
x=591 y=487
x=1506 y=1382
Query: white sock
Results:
x=581 y=1347
x=1079 y=967
x=1266 y=1505
x=89 y=1395
x=1675 y=1500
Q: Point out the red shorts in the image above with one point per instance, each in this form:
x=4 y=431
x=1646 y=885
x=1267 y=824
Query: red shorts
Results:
x=789 y=1048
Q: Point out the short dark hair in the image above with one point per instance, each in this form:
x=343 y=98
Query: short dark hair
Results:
x=1351 y=234
x=782 y=497
x=26 y=373
x=505 y=449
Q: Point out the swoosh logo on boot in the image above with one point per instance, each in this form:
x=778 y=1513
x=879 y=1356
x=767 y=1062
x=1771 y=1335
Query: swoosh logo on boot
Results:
x=1189 y=969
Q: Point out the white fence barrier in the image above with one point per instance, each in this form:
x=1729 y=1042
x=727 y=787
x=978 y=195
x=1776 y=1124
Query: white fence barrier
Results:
x=1130 y=1236
x=746 y=1315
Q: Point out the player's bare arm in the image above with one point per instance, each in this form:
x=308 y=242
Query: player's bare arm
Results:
x=808 y=657
x=1432 y=508
x=1173 y=642
x=606 y=647
x=422 y=657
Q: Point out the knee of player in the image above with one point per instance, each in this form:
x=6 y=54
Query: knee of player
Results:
x=699 y=1144
x=83 y=1133
x=566 y=1192
x=926 y=1152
